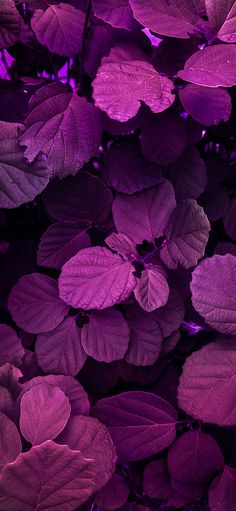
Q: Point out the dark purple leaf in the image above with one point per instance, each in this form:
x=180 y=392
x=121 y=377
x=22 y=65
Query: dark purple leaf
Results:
x=35 y=305
x=114 y=495
x=126 y=78
x=174 y=18
x=96 y=279
x=171 y=54
x=215 y=202
x=156 y=480
x=60 y=28
x=229 y=220
x=45 y=410
x=188 y=175
x=10 y=442
x=144 y=215
x=91 y=438
x=195 y=458
x=121 y=244
x=60 y=242
x=208 y=376
x=223 y=248
x=10 y=24
x=83 y=199
x=152 y=290
x=54 y=476
x=212 y=300
x=222 y=493
x=205 y=104
x=126 y=170
x=63 y=126
x=140 y=423
x=20 y=182
x=170 y=316
x=118 y=14
x=187 y=234
x=214 y=66
x=106 y=336
x=222 y=17
x=140 y=374
x=98 y=377
x=164 y=138
x=60 y=351
x=11 y=349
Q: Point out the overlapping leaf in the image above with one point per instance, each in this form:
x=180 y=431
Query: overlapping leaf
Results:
x=10 y=24
x=152 y=290
x=222 y=17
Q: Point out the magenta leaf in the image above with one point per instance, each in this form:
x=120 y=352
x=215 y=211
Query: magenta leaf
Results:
x=121 y=244
x=91 y=438
x=20 y=182
x=140 y=423
x=59 y=28
x=106 y=336
x=45 y=410
x=63 y=126
x=194 y=458
x=60 y=242
x=145 y=337
x=188 y=175
x=156 y=480
x=157 y=144
x=10 y=24
x=114 y=495
x=10 y=442
x=60 y=351
x=222 y=17
x=35 y=305
x=83 y=199
x=118 y=14
x=126 y=78
x=170 y=316
x=208 y=376
x=222 y=492
x=186 y=234
x=96 y=279
x=11 y=349
x=216 y=303
x=213 y=66
x=144 y=215
x=54 y=476
x=152 y=290
x=125 y=169
x=174 y=18
x=205 y=104
x=229 y=219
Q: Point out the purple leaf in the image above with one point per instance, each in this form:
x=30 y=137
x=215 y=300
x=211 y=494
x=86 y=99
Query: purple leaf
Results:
x=20 y=182
x=54 y=476
x=124 y=79
x=83 y=199
x=223 y=248
x=121 y=244
x=216 y=303
x=125 y=169
x=214 y=66
x=152 y=290
x=164 y=138
x=45 y=410
x=96 y=279
x=35 y=305
x=60 y=242
x=222 y=17
x=63 y=126
x=140 y=423
x=140 y=374
x=222 y=492
x=188 y=175
x=10 y=442
x=171 y=54
x=106 y=336
x=205 y=104
x=91 y=438
x=114 y=495
x=59 y=28
x=11 y=349
x=194 y=458
x=187 y=234
x=9 y=379
x=144 y=215
x=170 y=316
x=208 y=376
x=60 y=351
x=10 y=24
x=174 y=18
x=215 y=202
x=156 y=480
x=145 y=337
x=229 y=220
x=118 y=14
